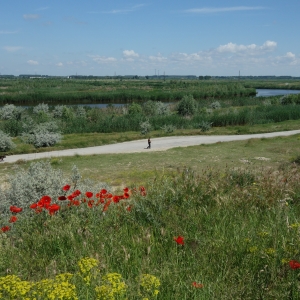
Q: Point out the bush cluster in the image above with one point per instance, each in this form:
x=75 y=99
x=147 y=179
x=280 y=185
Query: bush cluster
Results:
x=29 y=185
x=5 y=142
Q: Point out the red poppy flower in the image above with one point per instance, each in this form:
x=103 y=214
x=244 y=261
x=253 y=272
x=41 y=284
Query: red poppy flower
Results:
x=103 y=191
x=53 y=209
x=90 y=203
x=76 y=193
x=126 y=190
x=197 y=285
x=44 y=201
x=142 y=191
x=179 y=240
x=100 y=201
x=15 y=209
x=294 y=264
x=128 y=208
x=89 y=194
x=5 y=228
x=70 y=197
x=126 y=195
x=66 y=187
x=76 y=202
x=13 y=219
x=116 y=199
x=62 y=198
x=33 y=206
x=106 y=205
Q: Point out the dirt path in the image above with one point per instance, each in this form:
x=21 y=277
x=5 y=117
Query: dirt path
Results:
x=158 y=144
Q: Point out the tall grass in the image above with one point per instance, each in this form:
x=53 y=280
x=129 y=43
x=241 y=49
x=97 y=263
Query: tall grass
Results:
x=53 y=91
x=240 y=231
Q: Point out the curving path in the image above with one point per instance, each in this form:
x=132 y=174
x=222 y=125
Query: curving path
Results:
x=158 y=144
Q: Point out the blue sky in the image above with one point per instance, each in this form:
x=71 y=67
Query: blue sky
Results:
x=97 y=37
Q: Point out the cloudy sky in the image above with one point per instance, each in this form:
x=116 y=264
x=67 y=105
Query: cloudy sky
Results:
x=117 y=37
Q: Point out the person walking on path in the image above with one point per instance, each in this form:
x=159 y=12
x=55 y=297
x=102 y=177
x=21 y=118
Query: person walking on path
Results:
x=149 y=144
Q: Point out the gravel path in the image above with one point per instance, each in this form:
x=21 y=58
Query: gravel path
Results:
x=158 y=144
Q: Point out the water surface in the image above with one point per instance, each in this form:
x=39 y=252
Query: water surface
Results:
x=274 y=92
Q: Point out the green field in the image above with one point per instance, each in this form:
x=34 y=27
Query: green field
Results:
x=217 y=221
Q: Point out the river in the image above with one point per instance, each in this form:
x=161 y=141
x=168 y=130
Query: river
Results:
x=274 y=92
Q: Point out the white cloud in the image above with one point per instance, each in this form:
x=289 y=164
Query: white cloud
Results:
x=288 y=59
x=102 y=59
x=251 y=49
x=31 y=17
x=290 y=55
x=123 y=11
x=158 y=58
x=7 y=32
x=60 y=64
x=200 y=57
x=12 y=48
x=32 y=62
x=42 y=8
x=209 y=10
x=130 y=54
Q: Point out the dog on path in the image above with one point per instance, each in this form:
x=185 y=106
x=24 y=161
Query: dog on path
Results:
x=2 y=157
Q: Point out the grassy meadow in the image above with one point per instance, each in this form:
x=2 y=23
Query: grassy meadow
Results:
x=236 y=206
x=217 y=221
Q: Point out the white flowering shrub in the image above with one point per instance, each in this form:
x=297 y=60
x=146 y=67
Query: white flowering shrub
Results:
x=58 y=111
x=41 y=108
x=215 y=105
x=5 y=142
x=11 y=112
x=80 y=112
x=40 y=179
x=145 y=127
x=162 y=108
x=41 y=137
x=168 y=128
x=48 y=126
x=152 y=108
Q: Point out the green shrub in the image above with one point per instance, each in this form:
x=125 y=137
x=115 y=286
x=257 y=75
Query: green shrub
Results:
x=168 y=128
x=13 y=127
x=187 y=106
x=134 y=109
x=205 y=126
